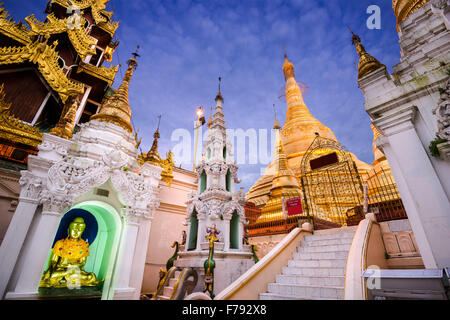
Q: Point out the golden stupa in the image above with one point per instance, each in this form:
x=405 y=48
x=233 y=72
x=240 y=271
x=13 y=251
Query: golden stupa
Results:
x=297 y=135
x=284 y=182
x=116 y=108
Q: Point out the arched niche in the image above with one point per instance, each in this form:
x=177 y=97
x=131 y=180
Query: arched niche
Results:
x=193 y=231
x=224 y=152
x=203 y=181
x=234 y=231
x=103 y=232
x=228 y=180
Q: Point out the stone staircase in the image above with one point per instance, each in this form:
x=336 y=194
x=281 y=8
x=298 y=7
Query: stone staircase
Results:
x=317 y=269
x=167 y=293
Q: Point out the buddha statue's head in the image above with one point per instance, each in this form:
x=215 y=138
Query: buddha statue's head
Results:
x=76 y=228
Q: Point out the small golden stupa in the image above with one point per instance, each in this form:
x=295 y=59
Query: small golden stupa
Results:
x=116 y=108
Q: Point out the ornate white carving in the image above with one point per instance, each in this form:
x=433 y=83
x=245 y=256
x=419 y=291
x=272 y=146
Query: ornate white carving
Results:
x=54 y=203
x=59 y=148
x=70 y=178
x=196 y=204
x=31 y=186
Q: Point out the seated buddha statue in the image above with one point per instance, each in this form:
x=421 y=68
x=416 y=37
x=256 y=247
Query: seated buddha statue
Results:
x=67 y=261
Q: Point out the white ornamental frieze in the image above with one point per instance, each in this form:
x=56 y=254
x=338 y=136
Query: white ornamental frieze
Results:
x=72 y=179
x=54 y=203
x=214 y=208
x=67 y=177
x=31 y=186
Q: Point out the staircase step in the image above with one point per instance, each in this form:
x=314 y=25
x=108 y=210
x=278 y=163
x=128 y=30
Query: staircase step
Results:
x=321 y=272
x=274 y=296
x=331 y=236
x=320 y=255
x=330 y=292
x=323 y=263
x=313 y=242
x=177 y=274
x=163 y=298
x=172 y=282
x=331 y=248
x=167 y=291
x=333 y=281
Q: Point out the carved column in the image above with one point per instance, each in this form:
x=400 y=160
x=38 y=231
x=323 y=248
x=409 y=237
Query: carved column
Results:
x=201 y=229
x=140 y=253
x=226 y=232
x=126 y=255
x=421 y=190
x=19 y=226
x=40 y=244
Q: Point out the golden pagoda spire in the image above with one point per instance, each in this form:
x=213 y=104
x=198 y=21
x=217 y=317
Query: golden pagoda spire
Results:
x=210 y=119
x=116 y=108
x=276 y=125
x=284 y=184
x=300 y=127
x=367 y=64
x=64 y=128
x=153 y=155
x=284 y=178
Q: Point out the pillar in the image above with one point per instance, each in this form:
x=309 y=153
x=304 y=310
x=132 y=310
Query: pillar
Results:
x=40 y=245
x=140 y=253
x=124 y=265
x=422 y=193
x=201 y=229
x=227 y=231
x=15 y=236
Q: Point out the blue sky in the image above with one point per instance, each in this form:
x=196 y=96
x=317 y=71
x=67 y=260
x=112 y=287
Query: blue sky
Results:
x=186 y=45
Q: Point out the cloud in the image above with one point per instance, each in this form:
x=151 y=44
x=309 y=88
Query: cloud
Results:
x=186 y=45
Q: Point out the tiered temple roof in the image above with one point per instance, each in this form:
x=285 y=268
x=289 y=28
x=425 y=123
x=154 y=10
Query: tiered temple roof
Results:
x=45 y=64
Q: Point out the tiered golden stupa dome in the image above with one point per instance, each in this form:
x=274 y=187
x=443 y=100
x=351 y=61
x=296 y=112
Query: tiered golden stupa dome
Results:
x=301 y=127
x=404 y=8
x=297 y=135
x=116 y=108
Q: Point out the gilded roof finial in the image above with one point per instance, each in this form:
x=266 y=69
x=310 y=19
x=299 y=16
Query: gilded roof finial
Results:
x=367 y=64
x=288 y=67
x=153 y=155
x=156 y=135
x=276 y=125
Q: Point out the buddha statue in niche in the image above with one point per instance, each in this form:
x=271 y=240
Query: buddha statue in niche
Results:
x=67 y=261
